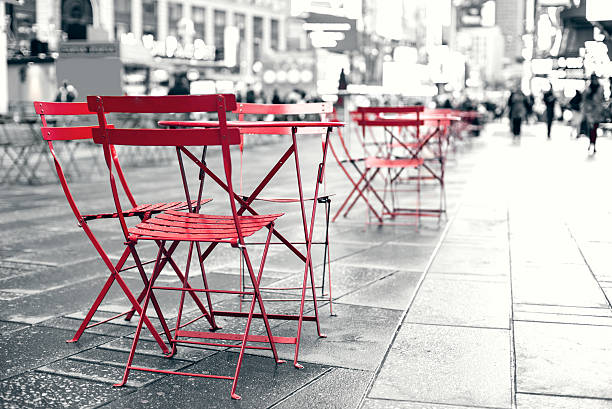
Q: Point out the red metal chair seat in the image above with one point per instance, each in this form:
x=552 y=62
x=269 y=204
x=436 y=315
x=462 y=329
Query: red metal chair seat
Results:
x=173 y=225
x=143 y=209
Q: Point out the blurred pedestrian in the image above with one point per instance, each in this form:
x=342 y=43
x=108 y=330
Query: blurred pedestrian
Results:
x=517 y=107
x=529 y=103
x=551 y=102
x=66 y=93
x=575 y=104
x=593 y=109
x=276 y=99
x=180 y=86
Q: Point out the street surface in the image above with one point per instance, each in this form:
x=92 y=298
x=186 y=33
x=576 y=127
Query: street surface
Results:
x=503 y=304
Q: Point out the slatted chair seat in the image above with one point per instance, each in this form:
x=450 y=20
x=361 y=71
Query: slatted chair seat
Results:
x=143 y=209
x=173 y=225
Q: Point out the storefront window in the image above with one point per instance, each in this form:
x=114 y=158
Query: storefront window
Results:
x=149 y=17
x=274 y=33
x=198 y=15
x=175 y=13
x=219 y=34
x=257 y=37
x=123 y=17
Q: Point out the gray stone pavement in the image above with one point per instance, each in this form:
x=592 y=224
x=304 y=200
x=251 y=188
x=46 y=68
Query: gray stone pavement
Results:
x=504 y=304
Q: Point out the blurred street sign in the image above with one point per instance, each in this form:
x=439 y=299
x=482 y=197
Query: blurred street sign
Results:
x=334 y=33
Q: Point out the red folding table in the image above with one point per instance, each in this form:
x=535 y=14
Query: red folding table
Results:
x=396 y=151
x=294 y=128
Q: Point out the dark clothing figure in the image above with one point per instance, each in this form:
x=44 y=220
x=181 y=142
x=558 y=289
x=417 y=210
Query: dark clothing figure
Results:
x=66 y=93
x=180 y=87
x=517 y=106
x=276 y=98
x=575 y=105
x=250 y=96
x=342 y=85
x=529 y=103
x=550 y=101
x=593 y=109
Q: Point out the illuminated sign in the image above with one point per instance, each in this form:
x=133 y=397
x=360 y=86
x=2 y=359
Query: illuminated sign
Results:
x=331 y=32
x=73 y=49
x=598 y=10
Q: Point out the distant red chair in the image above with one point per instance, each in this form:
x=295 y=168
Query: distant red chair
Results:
x=176 y=226
x=400 y=148
x=78 y=134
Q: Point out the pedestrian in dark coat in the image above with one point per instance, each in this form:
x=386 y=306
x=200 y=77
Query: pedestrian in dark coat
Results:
x=593 y=109
x=517 y=107
x=550 y=101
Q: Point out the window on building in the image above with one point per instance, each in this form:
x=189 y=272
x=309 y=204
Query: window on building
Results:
x=198 y=16
x=175 y=13
x=149 y=17
x=219 y=29
x=257 y=37
x=240 y=23
x=123 y=17
x=274 y=34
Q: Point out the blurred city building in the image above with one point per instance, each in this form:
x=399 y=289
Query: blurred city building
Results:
x=408 y=48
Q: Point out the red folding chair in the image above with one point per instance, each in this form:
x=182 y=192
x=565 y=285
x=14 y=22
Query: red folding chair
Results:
x=321 y=110
x=77 y=134
x=400 y=148
x=194 y=228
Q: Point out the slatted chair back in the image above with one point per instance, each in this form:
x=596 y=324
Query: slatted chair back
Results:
x=70 y=133
x=179 y=138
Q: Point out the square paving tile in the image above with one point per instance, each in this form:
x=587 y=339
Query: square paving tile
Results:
x=43 y=390
x=556 y=284
x=528 y=401
x=481 y=260
x=357 y=337
x=454 y=299
x=392 y=291
x=450 y=365
x=24 y=350
x=563 y=359
x=399 y=404
x=393 y=256
x=338 y=388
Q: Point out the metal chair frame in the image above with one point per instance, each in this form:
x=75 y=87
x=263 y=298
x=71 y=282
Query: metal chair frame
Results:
x=69 y=134
x=191 y=227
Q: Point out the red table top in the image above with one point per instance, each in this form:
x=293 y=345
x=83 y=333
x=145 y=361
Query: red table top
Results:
x=253 y=124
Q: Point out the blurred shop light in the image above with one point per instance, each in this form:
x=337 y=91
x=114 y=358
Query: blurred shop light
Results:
x=281 y=76
x=203 y=87
x=193 y=75
x=160 y=75
x=171 y=45
x=231 y=39
x=326 y=26
x=598 y=10
x=306 y=76
x=405 y=54
x=325 y=39
x=269 y=77
x=293 y=76
x=224 y=86
x=598 y=35
x=257 y=66
x=487 y=13
x=541 y=66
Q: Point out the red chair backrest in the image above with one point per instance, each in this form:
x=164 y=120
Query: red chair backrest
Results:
x=221 y=135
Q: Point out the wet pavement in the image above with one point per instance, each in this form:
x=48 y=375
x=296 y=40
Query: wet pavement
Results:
x=505 y=303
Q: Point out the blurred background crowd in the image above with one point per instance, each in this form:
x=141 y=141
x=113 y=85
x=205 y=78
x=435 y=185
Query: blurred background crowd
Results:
x=464 y=54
